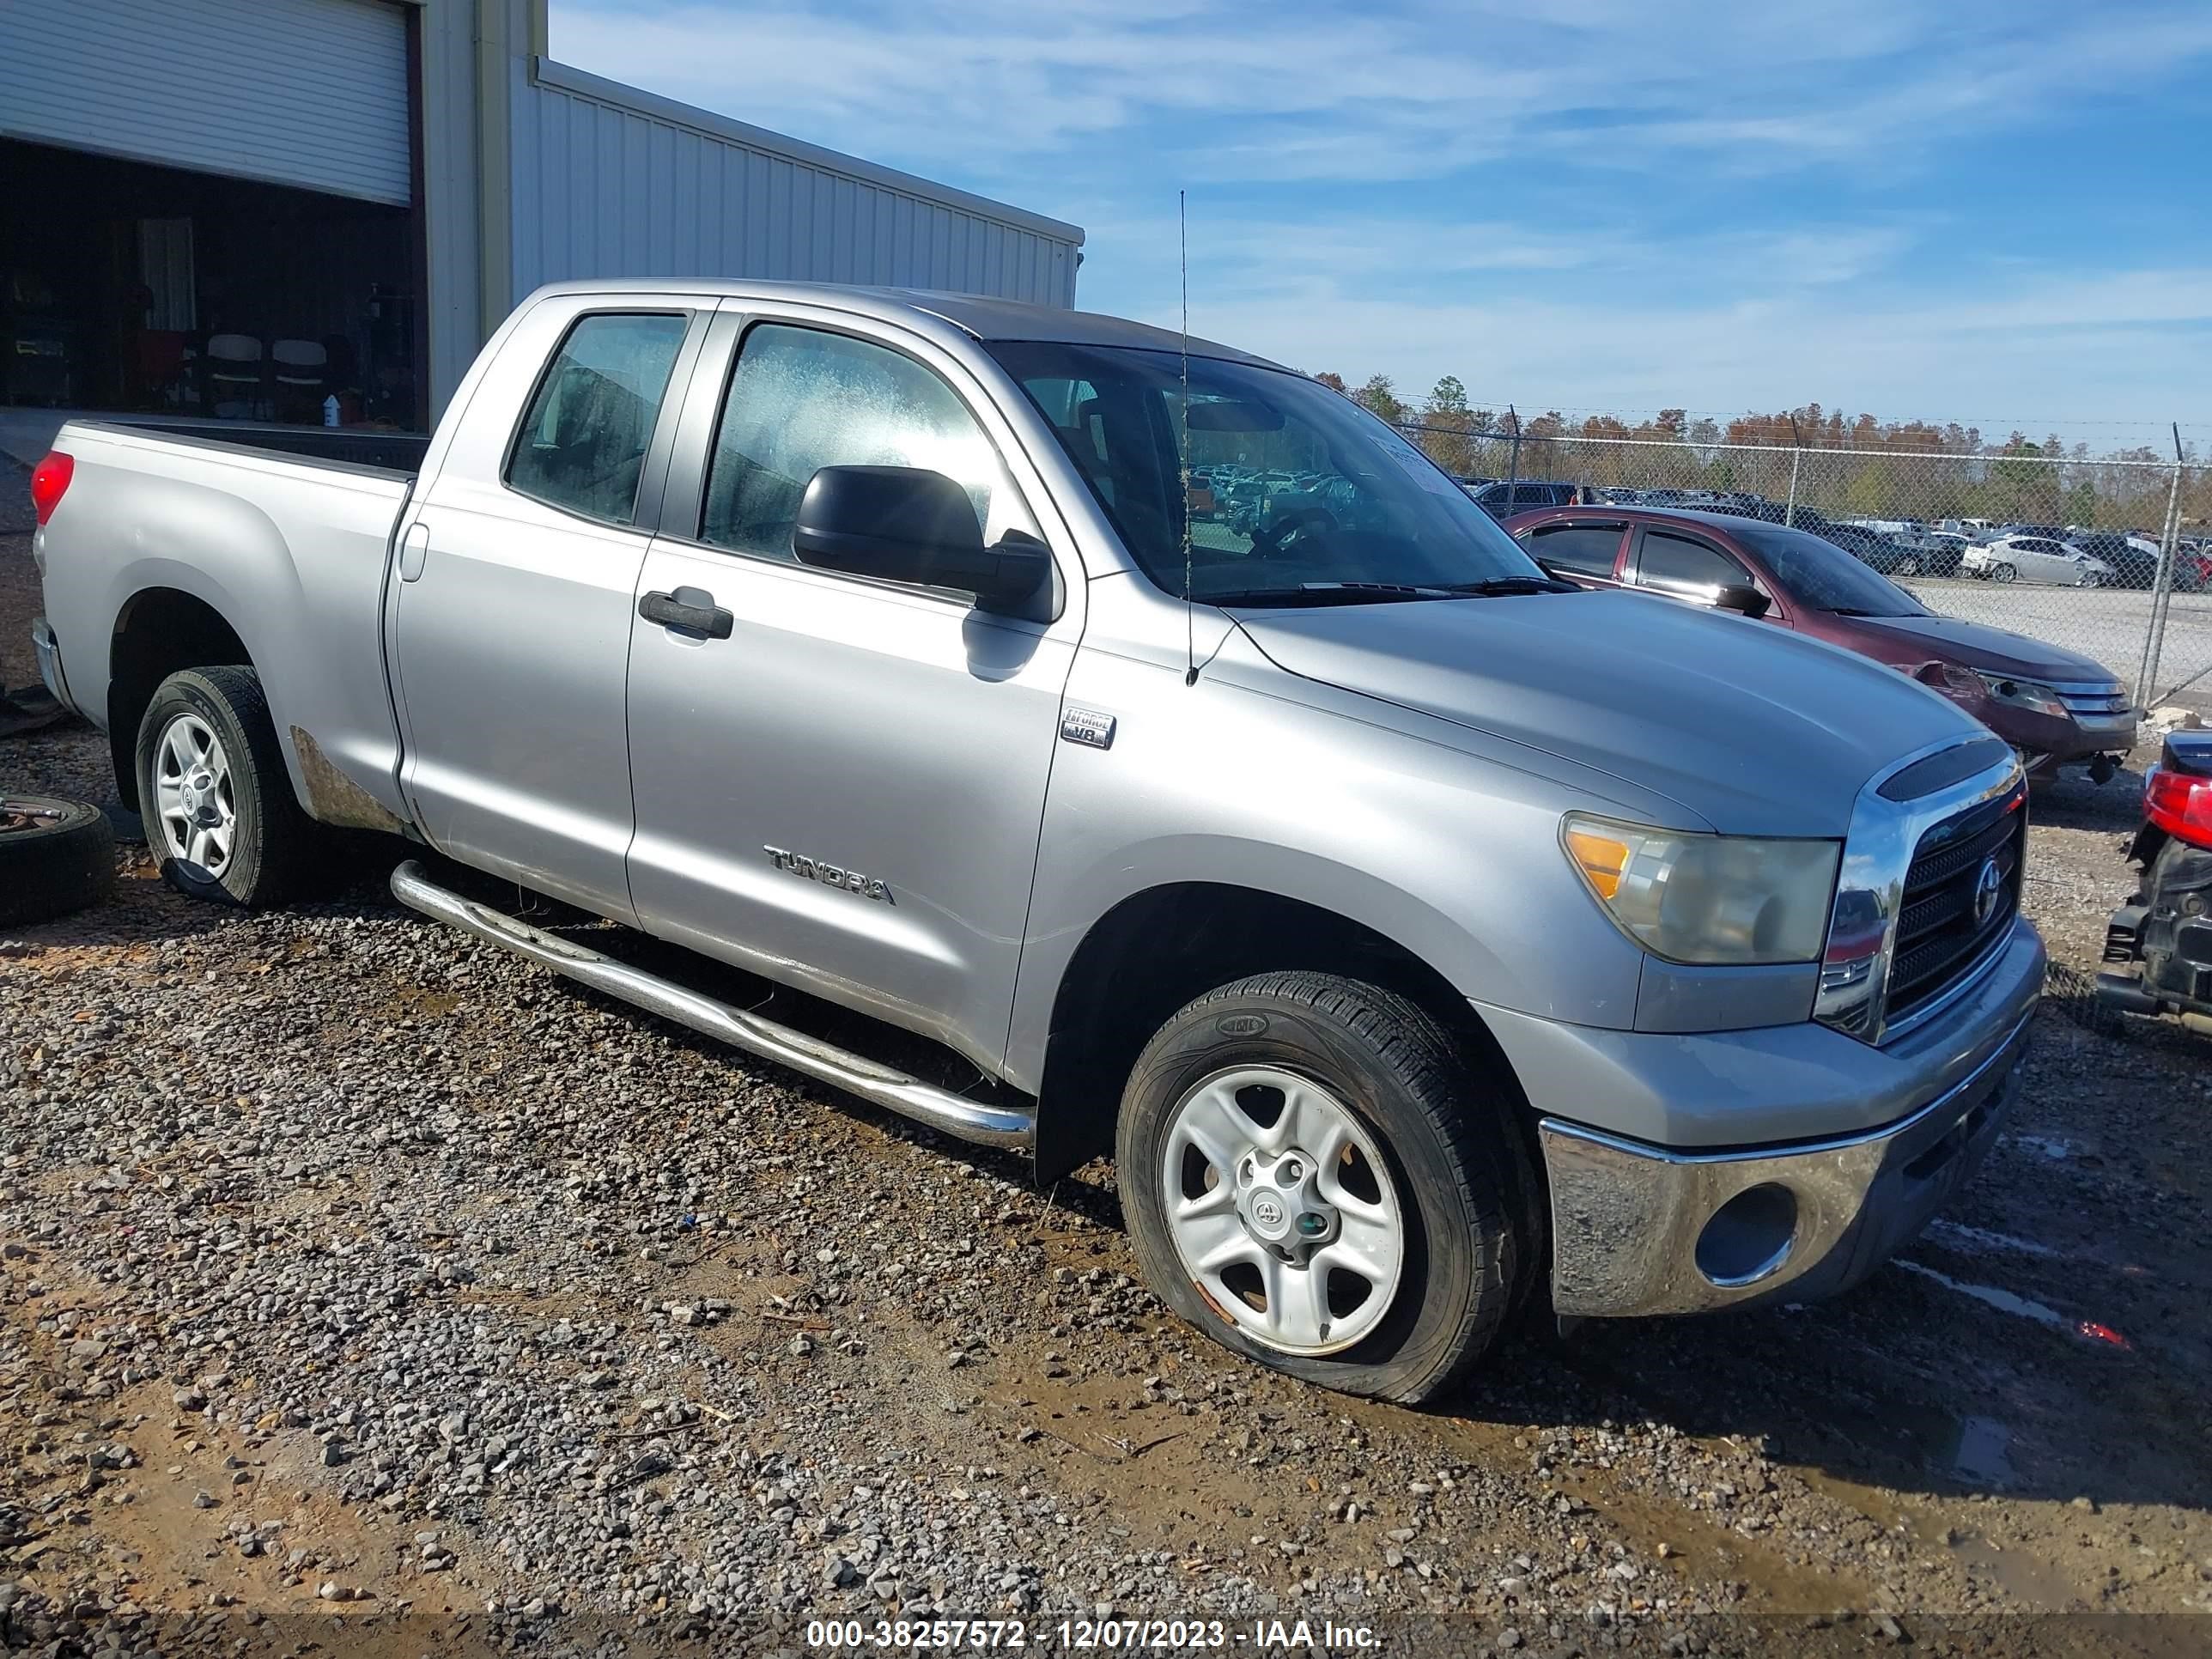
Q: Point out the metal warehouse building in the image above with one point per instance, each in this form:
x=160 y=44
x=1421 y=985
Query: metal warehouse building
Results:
x=246 y=207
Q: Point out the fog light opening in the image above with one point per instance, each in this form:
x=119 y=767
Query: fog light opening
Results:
x=1748 y=1237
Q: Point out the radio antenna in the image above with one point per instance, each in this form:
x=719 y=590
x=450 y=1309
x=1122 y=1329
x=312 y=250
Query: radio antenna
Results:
x=1189 y=626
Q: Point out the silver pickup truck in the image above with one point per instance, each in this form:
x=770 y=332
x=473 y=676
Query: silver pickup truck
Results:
x=1424 y=938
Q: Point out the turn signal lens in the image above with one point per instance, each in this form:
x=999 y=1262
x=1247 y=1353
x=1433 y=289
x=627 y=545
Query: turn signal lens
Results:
x=1601 y=858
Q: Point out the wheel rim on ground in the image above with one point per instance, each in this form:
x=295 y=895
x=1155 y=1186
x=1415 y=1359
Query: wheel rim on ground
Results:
x=192 y=795
x=1282 y=1210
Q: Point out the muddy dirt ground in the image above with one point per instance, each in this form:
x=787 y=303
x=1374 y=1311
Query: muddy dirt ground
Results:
x=359 y=1287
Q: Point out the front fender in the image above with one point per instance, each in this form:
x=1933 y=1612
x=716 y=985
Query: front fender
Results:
x=1451 y=856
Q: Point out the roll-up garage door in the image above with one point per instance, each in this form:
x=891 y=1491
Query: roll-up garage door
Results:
x=311 y=93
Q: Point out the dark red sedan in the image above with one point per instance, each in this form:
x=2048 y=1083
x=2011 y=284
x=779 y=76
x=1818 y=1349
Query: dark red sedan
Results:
x=2054 y=706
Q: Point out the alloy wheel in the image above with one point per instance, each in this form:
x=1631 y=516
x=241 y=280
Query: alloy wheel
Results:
x=193 y=798
x=1282 y=1209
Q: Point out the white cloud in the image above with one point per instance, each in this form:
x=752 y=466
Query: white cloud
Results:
x=1346 y=165
x=1213 y=89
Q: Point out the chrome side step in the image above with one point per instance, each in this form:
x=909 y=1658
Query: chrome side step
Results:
x=955 y=1114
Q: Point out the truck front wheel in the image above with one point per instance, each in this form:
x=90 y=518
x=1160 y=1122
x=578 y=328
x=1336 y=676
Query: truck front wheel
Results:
x=1311 y=1176
x=213 y=793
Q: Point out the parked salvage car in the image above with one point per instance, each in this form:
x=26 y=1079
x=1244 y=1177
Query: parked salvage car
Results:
x=2160 y=940
x=2017 y=557
x=1422 y=934
x=1891 y=554
x=1502 y=497
x=2055 y=708
x=2135 y=559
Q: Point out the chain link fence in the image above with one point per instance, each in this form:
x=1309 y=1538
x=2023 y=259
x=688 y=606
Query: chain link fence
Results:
x=2110 y=559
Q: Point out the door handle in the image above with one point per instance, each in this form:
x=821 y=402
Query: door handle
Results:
x=689 y=611
x=413 y=549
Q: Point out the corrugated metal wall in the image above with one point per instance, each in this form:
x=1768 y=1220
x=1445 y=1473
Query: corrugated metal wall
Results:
x=612 y=182
x=311 y=93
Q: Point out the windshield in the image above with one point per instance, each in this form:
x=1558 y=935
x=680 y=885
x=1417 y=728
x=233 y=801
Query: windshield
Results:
x=1819 y=574
x=1305 y=497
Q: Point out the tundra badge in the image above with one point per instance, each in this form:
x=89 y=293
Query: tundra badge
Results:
x=830 y=875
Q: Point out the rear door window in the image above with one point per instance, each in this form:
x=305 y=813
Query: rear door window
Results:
x=1686 y=567
x=584 y=438
x=1588 y=549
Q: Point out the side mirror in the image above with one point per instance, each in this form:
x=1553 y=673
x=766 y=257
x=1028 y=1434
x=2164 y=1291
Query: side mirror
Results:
x=906 y=524
x=1742 y=596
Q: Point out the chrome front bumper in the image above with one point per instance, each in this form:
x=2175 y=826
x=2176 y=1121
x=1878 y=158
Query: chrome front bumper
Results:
x=1639 y=1229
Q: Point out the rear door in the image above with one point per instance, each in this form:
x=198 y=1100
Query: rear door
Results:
x=517 y=574
x=844 y=791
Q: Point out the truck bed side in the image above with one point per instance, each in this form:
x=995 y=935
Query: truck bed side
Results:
x=167 y=539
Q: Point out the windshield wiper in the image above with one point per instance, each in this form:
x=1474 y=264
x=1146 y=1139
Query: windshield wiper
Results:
x=1507 y=585
x=1388 y=593
x=1331 y=593
x=1847 y=610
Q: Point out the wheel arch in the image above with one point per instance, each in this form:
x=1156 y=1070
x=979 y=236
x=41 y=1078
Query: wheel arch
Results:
x=158 y=631
x=1158 y=949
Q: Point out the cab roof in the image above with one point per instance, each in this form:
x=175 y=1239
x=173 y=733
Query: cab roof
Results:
x=977 y=316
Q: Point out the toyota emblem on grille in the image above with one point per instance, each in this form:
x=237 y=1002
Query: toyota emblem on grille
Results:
x=1988 y=888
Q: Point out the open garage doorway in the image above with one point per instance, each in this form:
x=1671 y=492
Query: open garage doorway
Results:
x=127 y=286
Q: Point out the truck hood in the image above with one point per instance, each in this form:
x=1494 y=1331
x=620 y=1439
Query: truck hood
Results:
x=1753 y=729
x=1916 y=640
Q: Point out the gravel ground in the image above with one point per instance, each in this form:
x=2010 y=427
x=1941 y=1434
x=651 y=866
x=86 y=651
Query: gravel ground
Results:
x=361 y=1286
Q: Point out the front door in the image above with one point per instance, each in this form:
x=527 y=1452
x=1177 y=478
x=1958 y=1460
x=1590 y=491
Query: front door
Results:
x=844 y=793
x=1688 y=566
x=511 y=626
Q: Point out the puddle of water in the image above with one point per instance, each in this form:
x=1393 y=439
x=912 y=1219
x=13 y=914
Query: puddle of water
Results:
x=1990 y=1295
x=1962 y=1237
x=1980 y=1454
x=2005 y=1301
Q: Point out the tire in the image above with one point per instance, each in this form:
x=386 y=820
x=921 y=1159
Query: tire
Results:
x=1908 y=567
x=56 y=856
x=269 y=837
x=2003 y=573
x=1438 y=1152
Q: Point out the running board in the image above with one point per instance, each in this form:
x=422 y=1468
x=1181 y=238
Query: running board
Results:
x=955 y=1114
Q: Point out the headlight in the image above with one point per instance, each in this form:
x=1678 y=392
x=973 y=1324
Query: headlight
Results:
x=1720 y=899
x=2025 y=693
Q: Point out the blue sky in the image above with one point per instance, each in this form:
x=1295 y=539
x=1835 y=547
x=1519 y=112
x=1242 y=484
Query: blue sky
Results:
x=1997 y=211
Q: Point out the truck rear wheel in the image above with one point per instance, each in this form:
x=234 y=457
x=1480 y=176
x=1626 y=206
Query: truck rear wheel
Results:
x=1311 y=1176
x=213 y=793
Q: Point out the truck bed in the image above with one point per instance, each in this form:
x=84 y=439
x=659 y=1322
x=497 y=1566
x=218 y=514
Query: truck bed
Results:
x=284 y=532
x=399 y=453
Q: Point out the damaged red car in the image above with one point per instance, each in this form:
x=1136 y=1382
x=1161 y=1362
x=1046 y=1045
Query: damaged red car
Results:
x=2055 y=707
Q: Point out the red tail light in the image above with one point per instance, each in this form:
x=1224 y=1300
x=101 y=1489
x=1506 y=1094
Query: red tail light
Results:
x=49 y=478
x=2180 y=805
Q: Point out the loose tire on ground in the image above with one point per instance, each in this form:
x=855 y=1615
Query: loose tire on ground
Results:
x=214 y=794
x=56 y=856
x=1445 y=1157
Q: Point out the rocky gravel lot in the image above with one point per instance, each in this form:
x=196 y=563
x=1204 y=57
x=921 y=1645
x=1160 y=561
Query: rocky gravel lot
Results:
x=363 y=1288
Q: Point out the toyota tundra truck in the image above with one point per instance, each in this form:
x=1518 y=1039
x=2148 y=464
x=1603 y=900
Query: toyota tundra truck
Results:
x=1424 y=938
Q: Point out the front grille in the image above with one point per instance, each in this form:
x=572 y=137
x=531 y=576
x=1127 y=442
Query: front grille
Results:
x=1938 y=936
x=2095 y=698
